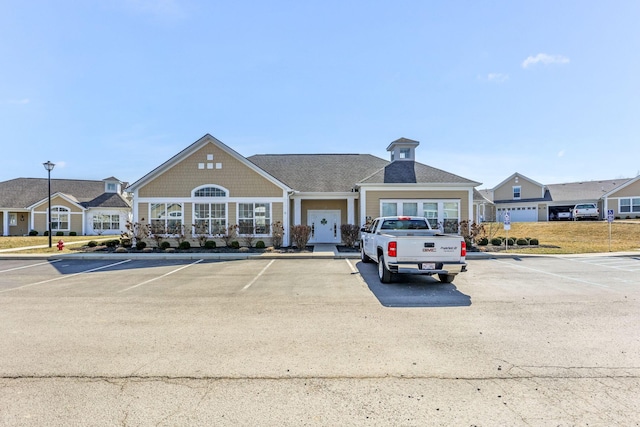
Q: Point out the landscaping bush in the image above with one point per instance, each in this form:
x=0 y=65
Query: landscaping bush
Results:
x=511 y=241
x=496 y=241
x=210 y=244
x=92 y=244
x=277 y=234
x=33 y=233
x=260 y=244
x=483 y=241
x=46 y=233
x=522 y=242
x=300 y=235
x=184 y=245
x=59 y=233
x=350 y=234
x=235 y=244
x=140 y=245
x=112 y=243
x=533 y=242
x=165 y=245
x=73 y=233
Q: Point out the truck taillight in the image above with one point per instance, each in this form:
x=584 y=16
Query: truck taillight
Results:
x=463 y=249
x=392 y=249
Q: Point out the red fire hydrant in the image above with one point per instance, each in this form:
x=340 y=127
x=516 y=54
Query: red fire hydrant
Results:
x=60 y=245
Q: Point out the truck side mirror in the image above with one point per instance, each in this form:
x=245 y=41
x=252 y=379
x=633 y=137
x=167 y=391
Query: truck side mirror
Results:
x=364 y=230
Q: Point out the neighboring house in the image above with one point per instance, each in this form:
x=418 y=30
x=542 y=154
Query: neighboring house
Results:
x=530 y=201
x=624 y=200
x=80 y=206
x=211 y=185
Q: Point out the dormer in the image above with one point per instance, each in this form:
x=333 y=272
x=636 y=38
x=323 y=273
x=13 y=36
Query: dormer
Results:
x=112 y=185
x=403 y=149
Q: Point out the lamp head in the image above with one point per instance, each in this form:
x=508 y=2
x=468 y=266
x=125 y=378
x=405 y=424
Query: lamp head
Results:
x=49 y=166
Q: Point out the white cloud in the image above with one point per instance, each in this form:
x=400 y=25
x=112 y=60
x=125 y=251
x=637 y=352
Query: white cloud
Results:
x=561 y=153
x=544 y=59
x=497 y=77
x=23 y=101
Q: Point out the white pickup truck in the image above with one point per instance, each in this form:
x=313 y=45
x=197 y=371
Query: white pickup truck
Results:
x=584 y=211
x=407 y=244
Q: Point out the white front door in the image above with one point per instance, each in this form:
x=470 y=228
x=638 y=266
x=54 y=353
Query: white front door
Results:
x=325 y=226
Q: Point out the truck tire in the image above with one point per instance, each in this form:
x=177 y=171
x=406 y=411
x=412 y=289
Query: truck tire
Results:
x=446 y=278
x=363 y=257
x=383 y=272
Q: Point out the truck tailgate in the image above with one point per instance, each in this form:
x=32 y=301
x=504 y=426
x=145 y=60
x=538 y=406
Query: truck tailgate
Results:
x=442 y=249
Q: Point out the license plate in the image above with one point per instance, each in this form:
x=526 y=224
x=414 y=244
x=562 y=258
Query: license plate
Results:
x=428 y=266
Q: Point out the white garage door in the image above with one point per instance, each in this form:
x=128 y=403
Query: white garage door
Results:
x=524 y=215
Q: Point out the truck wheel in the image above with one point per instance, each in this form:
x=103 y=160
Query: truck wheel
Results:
x=383 y=272
x=363 y=257
x=446 y=278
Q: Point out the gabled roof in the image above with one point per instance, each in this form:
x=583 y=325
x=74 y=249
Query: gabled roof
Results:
x=319 y=172
x=584 y=191
x=519 y=175
x=411 y=172
x=206 y=139
x=621 y=186
x=20 y=193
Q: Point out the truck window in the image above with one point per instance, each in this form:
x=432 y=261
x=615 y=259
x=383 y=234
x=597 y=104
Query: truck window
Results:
x=409 y=224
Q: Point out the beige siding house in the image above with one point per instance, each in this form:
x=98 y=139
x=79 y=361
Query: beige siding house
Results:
x=210 y=184
x=527 y=200
x=82 y=207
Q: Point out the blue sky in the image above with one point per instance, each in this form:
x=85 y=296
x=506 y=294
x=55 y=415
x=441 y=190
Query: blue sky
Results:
x=550 y=89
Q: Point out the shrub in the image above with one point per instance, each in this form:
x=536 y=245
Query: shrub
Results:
x=533 y=242
x=125 y=241
x=92 y=244
x=260 y=244
x=46 y=233
x=210 y=244
x=33 y=233
x=230 y=234
x=511 y=241
x=59 y=233
x=184 y=245
x=496 y=241
x=300 y=235
x=483 y=241
x=350 y=234
x=73 y=233
x=522 y=242
x=140 y=245
x=112 y=243
x=235 y=244
x=165 y=245
x=277 y=234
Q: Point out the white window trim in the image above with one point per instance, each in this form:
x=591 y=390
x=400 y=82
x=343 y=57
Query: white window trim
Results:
x=253 y=202
x=210 y=201
x=66 y=211
x=519 y=187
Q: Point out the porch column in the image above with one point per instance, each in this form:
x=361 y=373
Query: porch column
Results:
x=351 y=211
x=297 y=211
x=5 y=223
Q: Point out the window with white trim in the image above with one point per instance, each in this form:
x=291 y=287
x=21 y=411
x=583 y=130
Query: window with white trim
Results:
x=629 y=205
x=210 y=218
x=209 y=191
x=517 y=192
x=254 y=218
x=60 y=218
x=106 y=222
x=166 y=218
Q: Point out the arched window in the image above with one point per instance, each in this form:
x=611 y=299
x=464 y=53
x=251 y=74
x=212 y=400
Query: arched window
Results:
x=210 y=191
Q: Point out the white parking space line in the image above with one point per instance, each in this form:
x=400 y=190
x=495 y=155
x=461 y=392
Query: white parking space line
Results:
x=160 y=277
x=64 y=276
x=248 y=285
x=561 y=276
x=624 y=264
x=29 y=266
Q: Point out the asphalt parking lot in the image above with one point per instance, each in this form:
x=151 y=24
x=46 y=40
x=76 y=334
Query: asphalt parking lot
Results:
x=514 y=341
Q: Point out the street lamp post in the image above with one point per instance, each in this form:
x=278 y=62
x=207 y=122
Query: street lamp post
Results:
x=49 y=167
